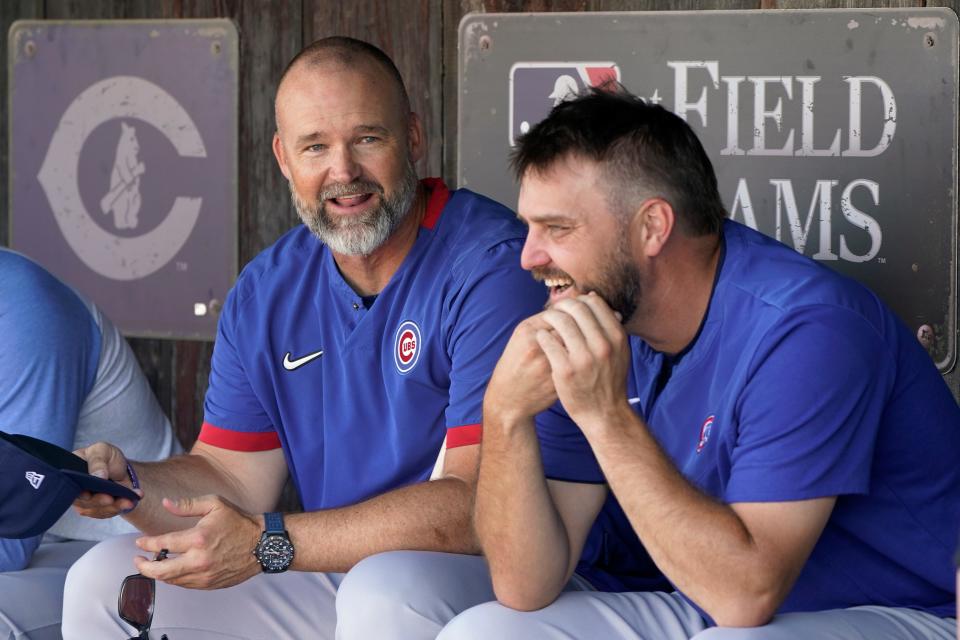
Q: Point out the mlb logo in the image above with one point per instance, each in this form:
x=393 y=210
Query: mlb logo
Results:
x=537 y=87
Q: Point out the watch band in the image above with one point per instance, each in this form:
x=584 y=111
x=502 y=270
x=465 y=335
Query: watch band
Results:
x=273 y=523
x=135 y=482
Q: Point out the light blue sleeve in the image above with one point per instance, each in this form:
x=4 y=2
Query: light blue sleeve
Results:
x=49 y=353
x=15 y=554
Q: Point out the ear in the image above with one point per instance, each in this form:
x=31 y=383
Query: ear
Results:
x=278 y=154
x=656 y=219
x=416 y=141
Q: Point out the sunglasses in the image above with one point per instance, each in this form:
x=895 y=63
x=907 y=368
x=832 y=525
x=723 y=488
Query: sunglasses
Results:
x=135 y=605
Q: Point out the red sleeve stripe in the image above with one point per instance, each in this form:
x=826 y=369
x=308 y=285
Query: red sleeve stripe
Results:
x=439 y=194
x=238 y=440
x=464 y=435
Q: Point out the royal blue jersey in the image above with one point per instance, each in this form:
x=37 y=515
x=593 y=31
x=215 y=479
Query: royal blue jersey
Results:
x=800 y=384
x=361 y=398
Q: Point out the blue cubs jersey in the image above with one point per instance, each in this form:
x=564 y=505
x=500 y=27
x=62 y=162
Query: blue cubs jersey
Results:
x=800 y=384
x=361 y=398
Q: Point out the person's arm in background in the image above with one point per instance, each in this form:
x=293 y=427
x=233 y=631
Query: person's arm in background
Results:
x=15 y=554
x=49 y=352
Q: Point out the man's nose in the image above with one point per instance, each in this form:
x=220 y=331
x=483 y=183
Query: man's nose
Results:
x=343 y=166
x=533 y=254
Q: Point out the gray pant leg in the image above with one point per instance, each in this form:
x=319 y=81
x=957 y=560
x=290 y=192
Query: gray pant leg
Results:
x=409 y=594
x=288 y=606
x=582 y=616
x=31 y=599
x=857 y=623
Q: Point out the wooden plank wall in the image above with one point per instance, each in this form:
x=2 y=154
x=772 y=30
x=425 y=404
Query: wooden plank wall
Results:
x=421 y=35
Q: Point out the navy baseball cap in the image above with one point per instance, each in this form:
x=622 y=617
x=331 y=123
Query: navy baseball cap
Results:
x=39 y=481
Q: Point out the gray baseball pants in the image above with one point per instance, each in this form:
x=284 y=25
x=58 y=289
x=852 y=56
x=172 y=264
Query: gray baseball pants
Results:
x=411 y=595
x=287 y=606
x=31 y=599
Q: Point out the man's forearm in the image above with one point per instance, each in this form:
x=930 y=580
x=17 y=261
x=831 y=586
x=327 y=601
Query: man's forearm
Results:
x=429 y=516
x=187 y=475
x=700 y=544
x=518 y=525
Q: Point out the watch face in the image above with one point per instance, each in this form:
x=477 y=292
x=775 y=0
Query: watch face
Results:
x=275 y=553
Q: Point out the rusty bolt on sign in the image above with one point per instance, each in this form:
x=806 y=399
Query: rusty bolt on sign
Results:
x=925 y=336
x=485 y=43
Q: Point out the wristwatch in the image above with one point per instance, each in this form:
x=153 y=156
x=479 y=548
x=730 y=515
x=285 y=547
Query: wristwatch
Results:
x=274 y=552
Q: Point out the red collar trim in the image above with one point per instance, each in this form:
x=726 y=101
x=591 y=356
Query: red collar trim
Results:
x=439 y=194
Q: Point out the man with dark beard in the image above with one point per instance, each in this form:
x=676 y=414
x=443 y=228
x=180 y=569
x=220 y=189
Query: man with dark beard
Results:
x=781 y=446
x=346 y=355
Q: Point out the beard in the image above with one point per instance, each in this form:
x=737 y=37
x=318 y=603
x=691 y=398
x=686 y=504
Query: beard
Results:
x=619 y=282
x=620 y=285
x=364 y=233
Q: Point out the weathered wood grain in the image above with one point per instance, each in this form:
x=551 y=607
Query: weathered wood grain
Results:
x=839 y=4
x=409 y=31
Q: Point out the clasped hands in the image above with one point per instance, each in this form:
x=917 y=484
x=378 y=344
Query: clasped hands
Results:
x=576 y=351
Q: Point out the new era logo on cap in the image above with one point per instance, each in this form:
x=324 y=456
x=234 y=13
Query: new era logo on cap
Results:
x=34 y=478
x=56 y=477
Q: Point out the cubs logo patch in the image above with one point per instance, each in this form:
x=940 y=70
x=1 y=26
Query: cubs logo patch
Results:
x=406 y=346
x=705 y=433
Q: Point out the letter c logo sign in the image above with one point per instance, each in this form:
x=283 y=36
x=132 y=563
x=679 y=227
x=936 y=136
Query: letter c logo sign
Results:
x=114 y=257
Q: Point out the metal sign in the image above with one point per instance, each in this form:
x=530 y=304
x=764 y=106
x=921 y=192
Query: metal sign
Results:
x=123 y=165
x=834 y=131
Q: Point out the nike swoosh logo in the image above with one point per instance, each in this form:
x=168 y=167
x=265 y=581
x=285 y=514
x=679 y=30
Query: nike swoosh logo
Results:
x=290 y=365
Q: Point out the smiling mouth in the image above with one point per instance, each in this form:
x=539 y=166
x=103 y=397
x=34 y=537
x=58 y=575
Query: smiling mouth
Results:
x=557 y=286
x=351 y=200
